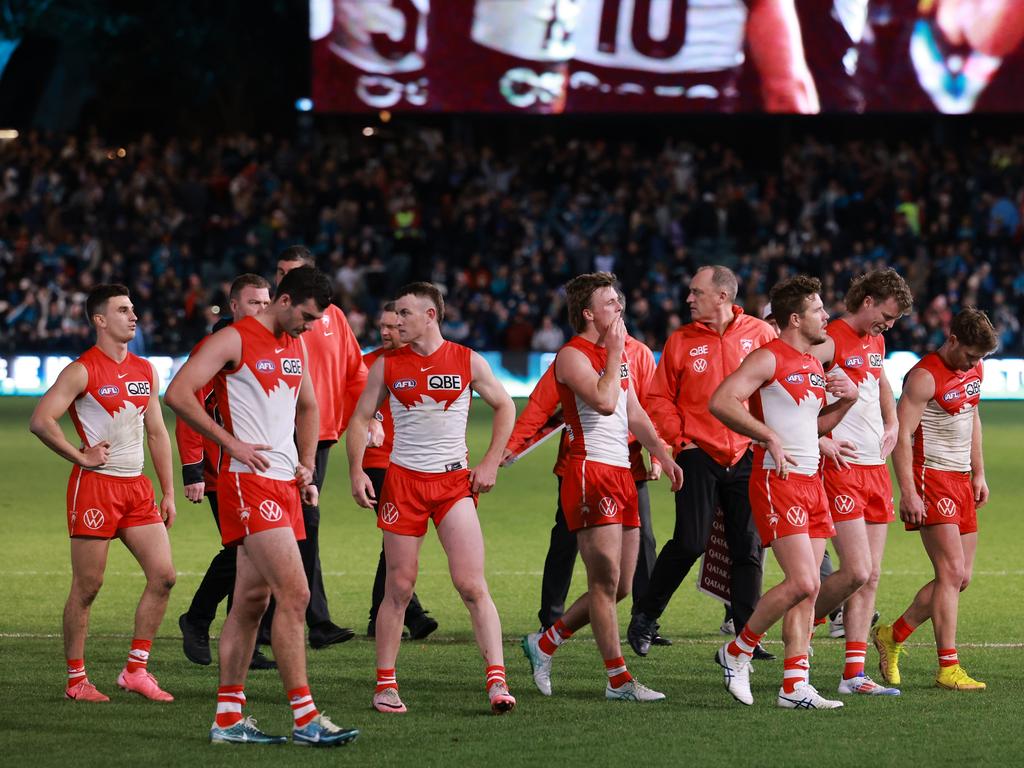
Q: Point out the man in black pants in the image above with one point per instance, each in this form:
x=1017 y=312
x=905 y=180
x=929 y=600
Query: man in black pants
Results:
x=375 y=464
x=716 y=461
x=249 y=295
x=339 y=376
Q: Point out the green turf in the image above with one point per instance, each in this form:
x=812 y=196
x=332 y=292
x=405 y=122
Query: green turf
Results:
x=441 y=678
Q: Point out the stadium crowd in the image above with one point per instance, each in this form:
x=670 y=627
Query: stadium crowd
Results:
x=500 y=230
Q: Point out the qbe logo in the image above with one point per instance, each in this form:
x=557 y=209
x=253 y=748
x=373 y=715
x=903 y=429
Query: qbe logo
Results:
x=389 y=513
x=972 y=388
x=701 y=350
x=109 y=390
x=796 y=516
x=875 y=360
x=291 y=366
x=93 y=519
x=271 y=511
x=265 y=366
x=138 y=388
x=608 y=506
x=444 y=381
x=817 y=380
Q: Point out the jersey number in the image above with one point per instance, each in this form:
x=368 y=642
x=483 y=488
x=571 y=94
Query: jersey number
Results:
x=640 y=29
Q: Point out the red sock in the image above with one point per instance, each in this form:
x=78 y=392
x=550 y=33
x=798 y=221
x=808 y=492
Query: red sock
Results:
x=386 y=679
x=618 y=675
x=138 y=656
x=855 y=655
x=303 y=708
x=230 y=700
x=553 y=637
x=76 y=672
x=948 y=657
x=745 y=643
x=795 y=670
x=901 y=629
x=495 y=675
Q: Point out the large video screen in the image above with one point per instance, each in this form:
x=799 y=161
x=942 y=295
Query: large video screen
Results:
x=624 y=56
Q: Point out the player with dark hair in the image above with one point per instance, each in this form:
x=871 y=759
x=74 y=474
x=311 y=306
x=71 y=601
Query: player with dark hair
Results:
x=940 y=469
x=112 y=397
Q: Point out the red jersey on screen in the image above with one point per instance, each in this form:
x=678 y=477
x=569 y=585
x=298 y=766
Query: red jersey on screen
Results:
x=429 y=398
x=379 y=457
x=789 y=403
x=593 y=436
x=657 y=55
x=943 y=438
x=257 y=397
x=112 y=407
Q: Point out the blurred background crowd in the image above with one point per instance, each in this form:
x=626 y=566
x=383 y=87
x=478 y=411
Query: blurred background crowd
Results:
x=500 y=225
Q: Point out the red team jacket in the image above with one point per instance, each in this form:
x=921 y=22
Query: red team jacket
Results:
x=336 y=367
x=694 y=362
x=544 y=404
x=193 y=448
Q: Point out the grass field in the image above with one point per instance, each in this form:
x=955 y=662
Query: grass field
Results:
x=448 y=722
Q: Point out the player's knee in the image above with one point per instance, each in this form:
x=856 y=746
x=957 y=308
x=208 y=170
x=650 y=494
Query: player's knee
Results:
x=471 y=590
x=804 y=586
x=965 y=581
x=859 y=575
x=952 y=573
x=84 y=591
x=163 y=581
x=622 y=592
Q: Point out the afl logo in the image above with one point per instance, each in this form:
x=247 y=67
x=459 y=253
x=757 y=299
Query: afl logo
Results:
x=271 y=511
x=796 y=516
x=946 y=507
x=93 y=518
x=795 y=378
x=844 y=504
x=854 y=362
x=951 y=395
x=404 y=384
x=265 y=366
x=109 y=390
x=389 y=513
x=608 y=506
x=700 y=365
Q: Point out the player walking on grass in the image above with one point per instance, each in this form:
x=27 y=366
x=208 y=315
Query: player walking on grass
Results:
x=598 y=494
x=112 y=398
x=786 y=386
x=858 y=487
x=941 y=473
x=427 y=385
x=266 y=399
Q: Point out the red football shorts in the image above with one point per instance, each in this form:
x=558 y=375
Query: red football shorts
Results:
x=409 y=498
x=598 y=494
x=101 y=505
x=948 y=499
x=787 y=507
x=250 y=503
x=859 y=492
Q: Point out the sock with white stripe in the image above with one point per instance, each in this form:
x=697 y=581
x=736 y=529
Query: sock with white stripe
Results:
x=138 y=656
x=230 y=700
x=618 y=675
x=855 y=657
x=303 y=708
x=795 y=670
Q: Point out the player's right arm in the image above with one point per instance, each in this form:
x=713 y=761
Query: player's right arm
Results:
x=71 y=382
x=601 y=393
x=728 y=404
x=222 y=350
x=356 y=435
x=918 y=389
x=773 y=37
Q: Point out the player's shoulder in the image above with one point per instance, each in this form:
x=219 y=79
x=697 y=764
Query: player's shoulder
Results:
x=369 y=358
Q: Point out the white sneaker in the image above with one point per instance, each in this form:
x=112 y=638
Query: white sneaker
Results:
x=805 y=696
x=632 y=691
x=836 y=627
x=540 y=662
x=728 y=627
x=737 y=675
x=865 y=685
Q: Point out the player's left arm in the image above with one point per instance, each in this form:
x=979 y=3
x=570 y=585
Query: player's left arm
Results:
x=890 y=423
x=485 y=383
x=307 y=430
x=978 y=464
x=640 y=425
x=841 y=386
x=773 y=38
x=160 y=450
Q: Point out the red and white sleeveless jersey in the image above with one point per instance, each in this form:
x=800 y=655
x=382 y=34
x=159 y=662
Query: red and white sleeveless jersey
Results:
x=943 y=438
x=789 y=404
x=861 y=358
x=429 y=403
x=257 y=398
x=657 y=54
x=112 y=408
x=592 y=436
